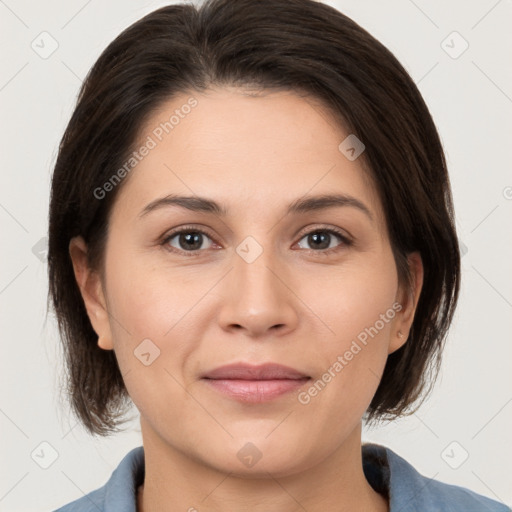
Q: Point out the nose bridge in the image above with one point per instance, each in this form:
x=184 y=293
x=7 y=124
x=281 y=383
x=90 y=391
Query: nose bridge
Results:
x=255 y=272
x=258 y=298
x=255 y=269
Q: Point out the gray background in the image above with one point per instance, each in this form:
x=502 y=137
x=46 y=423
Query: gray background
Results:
x=460 y=435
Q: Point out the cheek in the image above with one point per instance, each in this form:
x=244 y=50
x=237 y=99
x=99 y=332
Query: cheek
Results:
x=153 y=327
x=150 y=299
x=357 y=306
x=354 y=297
x=150 y=312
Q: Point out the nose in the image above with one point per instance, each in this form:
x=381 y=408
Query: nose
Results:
x=259 y=298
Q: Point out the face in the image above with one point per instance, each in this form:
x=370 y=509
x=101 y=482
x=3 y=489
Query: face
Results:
x=256 y=282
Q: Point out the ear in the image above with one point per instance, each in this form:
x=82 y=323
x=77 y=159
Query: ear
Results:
x=408 y=298
x=92 y=292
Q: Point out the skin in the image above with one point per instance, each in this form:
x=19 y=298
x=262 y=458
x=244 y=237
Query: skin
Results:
x=253 y=154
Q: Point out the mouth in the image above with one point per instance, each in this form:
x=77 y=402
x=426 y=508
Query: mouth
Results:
x=255 y=384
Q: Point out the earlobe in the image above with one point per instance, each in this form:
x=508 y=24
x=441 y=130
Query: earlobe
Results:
x=91 y=289
x=408 y=298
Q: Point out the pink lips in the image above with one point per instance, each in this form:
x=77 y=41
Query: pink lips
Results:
x=249 y=383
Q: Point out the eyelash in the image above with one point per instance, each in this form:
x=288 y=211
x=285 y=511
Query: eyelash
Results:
x=321 y=252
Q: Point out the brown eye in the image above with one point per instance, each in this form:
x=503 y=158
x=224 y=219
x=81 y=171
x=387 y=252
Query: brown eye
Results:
x=187 y=240
x=322 y=240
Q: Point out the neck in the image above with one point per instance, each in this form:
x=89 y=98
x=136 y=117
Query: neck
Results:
x=175 y=481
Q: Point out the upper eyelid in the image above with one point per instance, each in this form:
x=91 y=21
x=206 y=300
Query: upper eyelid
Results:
x=337 y=231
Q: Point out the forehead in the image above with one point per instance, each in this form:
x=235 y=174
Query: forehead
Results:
x=247 y=151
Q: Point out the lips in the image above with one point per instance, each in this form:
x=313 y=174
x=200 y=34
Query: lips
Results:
x=242 y=371
x=254 y=384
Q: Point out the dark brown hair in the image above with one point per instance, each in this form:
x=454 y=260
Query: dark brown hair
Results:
x=296 y=45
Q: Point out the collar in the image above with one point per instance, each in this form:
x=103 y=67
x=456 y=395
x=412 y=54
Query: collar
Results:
x=388 y=473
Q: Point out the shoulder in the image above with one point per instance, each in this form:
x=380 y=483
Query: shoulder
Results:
x=119 y=493
x=412 y=491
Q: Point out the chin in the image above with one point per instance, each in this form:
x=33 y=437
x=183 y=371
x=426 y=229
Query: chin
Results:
x=259 y=455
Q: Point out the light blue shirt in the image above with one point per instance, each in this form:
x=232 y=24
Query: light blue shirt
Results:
x=387 y=473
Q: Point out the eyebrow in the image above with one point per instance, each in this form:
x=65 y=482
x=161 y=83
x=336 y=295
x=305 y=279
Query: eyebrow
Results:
x=301 y=205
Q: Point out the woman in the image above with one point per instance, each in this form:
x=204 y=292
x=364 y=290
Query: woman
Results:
x=252 y=239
